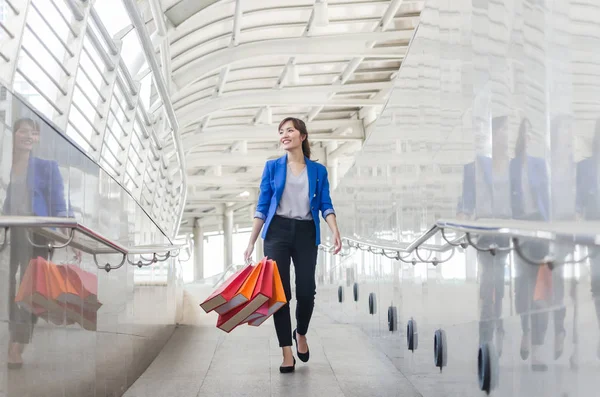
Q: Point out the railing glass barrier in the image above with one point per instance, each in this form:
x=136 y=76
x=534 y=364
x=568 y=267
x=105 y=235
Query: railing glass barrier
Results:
x=69 y=327
x=493 y=120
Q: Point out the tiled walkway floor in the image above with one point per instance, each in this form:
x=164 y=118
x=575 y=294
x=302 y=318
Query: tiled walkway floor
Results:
x=201 y=360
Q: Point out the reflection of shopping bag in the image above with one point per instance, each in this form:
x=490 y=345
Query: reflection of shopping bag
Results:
x=59 y=294
x=80 y=301
x=38 y=290
x=543 y=284
x=277 y=301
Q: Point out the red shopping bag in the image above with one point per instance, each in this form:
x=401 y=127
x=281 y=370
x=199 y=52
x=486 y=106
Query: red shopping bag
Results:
x=260 y=285
x=227 y=293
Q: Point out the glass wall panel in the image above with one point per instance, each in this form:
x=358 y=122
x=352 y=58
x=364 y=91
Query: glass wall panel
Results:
x=67 y=326
x=493 y=119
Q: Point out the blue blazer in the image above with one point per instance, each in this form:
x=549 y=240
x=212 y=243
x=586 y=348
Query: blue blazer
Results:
x=273 y=183
x=466 y=203
x=46 y=188
x=537 y=174
x=538 y=181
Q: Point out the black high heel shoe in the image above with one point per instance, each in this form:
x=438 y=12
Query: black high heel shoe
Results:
x=287 y=370
x=302 y=356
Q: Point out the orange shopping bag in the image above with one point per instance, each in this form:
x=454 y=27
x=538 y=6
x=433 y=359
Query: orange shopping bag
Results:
x=277 y=301
x=543 y=284
x=39 y=289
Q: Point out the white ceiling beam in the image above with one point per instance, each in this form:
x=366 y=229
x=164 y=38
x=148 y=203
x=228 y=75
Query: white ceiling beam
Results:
x=192 y=66
x=252 y=159
x=344 y=149
x=266 y=133
x=237 y=24
x=387 y=18
x=180 y=101
x=200 y=109
x=284 y=73
x=222 y=80
x=242 y=181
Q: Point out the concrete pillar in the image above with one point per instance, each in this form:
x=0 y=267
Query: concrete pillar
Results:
x=198 y=235
x=228 y=237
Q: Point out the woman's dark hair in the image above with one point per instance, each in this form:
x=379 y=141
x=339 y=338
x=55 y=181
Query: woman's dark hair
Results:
x=520 y=146
x=25 y=120
x=300 y=126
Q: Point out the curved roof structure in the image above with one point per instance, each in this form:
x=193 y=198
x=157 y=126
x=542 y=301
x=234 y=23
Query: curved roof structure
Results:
x=238 y=67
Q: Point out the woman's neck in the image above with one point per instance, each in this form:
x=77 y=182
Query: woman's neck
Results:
x=296 y=156
x=20 y=160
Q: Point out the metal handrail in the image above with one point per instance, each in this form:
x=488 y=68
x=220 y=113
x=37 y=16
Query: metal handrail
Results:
x=46 y=226
x=582 y=233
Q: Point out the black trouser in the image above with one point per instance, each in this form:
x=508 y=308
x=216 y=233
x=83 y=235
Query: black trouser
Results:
x=525 y=282
x=21 y=252
x=491 y=293
x=293 y=239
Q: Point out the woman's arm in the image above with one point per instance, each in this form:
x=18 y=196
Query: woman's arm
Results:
x=256 y=228
x=57 y=203
x=262 y=209
x=328 y=213
x=337 y=240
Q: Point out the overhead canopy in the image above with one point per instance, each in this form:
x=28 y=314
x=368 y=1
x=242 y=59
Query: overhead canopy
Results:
x=238 y=67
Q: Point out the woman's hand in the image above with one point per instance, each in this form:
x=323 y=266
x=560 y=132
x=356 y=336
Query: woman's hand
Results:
x=248 y=253
x=337 y=243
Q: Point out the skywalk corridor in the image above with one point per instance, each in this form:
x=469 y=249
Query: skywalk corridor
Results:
x=454 y=162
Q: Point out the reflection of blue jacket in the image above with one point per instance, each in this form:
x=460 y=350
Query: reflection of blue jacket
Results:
x=468 y=201
x=587 y=199
x=46 y=188
x=537 y=175
x=273 y=183
x=538 y=182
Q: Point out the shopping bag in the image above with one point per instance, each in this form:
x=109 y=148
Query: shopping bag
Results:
x=265 y=288
x=543 y=284
x=39 y=288
x=260 y=282
x=80 y=299
x=227 y=292
x=244 y=293
x=61 y=294
x=277 y=301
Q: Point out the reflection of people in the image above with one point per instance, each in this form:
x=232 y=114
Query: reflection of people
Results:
x=588 y=208
x=486 y=194
x=35 y=189
x=530 y=201
x=562 y=205
x=292 y=192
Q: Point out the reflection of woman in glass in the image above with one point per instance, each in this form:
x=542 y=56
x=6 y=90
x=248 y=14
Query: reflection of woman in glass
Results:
x=486 y=194
x=35 y=189
x=588 y=208
x=529 y=188
x=562 y=199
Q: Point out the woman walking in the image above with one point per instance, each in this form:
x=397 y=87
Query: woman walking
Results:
x=293 y=190
x=36 y=188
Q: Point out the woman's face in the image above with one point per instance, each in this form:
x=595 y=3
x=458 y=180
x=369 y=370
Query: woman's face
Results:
x=25 y=137
x=290 y=137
